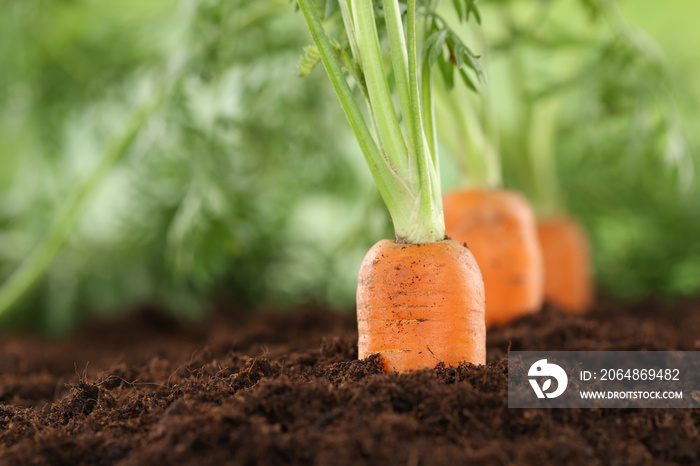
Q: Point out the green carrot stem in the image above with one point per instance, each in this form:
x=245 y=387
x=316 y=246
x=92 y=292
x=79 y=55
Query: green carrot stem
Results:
x=542 y=133
x=429 y=202
x=399 y=60
x=429 y=111
x=346 y=13
x=474 y=150
x=394 y=190
x=382 y=105
x=411 y=195
x=492 y=141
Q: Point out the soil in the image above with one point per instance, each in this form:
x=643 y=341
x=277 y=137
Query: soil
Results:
x=287 y=388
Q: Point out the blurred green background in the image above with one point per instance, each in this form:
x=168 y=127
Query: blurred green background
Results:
x=243 y=182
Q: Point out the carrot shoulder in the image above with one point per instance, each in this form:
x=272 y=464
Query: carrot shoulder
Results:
x=421 y=304
x=568 y=280
x=499 y=227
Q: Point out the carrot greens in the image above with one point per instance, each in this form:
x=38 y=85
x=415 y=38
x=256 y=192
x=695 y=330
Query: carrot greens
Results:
x=564 y=70
x=399 y=145
x=197 y=204
x=468 y=131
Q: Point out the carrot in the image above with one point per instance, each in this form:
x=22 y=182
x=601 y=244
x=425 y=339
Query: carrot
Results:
x=568 y=280
x=421 y=304
x=420 y=300
x=499 y=227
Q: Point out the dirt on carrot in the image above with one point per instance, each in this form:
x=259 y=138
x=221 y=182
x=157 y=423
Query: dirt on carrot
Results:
x=287 y=389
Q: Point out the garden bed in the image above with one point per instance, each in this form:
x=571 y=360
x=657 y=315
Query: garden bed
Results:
x=271 y=389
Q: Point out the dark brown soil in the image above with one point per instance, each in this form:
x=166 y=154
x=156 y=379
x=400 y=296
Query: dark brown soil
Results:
x=280 y=389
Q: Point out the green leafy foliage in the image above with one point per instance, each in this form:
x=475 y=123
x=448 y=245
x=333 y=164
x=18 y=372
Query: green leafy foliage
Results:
x=444 y=47
x=591 y=120
x=246 y=185
x=209 y=200
x=442 y=44
x=309 y=61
